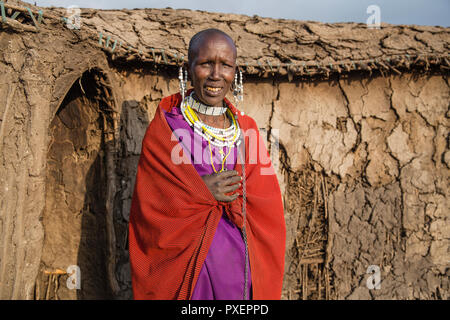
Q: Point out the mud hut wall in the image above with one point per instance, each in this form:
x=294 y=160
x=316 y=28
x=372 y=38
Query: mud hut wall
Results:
x=26 y=86
x=35 y=75
x=381 y=144
x=383 y=141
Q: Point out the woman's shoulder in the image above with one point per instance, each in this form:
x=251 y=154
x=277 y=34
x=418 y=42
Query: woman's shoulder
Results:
x=168 y=102
x=246 y=121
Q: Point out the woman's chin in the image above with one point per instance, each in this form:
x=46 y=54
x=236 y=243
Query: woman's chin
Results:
x=212 y=99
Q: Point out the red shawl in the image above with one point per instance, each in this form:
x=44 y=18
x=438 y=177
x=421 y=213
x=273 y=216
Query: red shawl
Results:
x=174 y=217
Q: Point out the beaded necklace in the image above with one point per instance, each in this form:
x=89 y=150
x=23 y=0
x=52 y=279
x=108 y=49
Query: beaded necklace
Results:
x=218 y=137
x=204 y=109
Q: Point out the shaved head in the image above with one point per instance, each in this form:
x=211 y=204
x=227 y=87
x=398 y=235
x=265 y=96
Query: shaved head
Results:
x=199 y=38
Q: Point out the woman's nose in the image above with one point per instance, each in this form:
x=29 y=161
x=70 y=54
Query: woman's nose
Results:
x=215 y=72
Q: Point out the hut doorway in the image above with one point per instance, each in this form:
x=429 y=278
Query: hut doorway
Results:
x=76 y=259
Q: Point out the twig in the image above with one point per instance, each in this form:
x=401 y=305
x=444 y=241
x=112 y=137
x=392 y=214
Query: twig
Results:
x=311 y=261
x=19 y=26
x=310 y=224
x=11 y=91
x=325 y=197
x=36 y=289
x=47 y=295
x=55 y=279
x=310 y=250
x=24 y=10
x=319 y=284
x=305 y=282
x=79 y=81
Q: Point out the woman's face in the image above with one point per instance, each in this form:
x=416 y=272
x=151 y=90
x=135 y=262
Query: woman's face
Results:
x=212 y=69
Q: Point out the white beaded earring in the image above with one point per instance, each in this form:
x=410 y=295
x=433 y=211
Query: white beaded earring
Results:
x=182 y=76
x=238 y=91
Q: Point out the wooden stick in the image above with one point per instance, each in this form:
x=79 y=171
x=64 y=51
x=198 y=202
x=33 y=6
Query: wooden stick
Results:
x=325 y=196
x=446 y=61
x=319 y=284
x=57 y=271
x=17 y=25
x=327 y=285
x=55 y=279
x=318 y=255
x=313 y=214
x=37 y=295
x=328 y=244
x=311 y=261
x=398 y=72
x=47 y=295
x=9 y=98
x=417 y=59
x=24 y=10
x=305 y=279
x=303 y=282
x=105 y=90
x=314 y=250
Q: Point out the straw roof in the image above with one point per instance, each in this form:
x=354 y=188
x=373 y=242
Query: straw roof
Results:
x=265 y=46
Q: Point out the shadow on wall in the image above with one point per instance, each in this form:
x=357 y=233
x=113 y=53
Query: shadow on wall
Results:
x=92 y=250
x=134 y=122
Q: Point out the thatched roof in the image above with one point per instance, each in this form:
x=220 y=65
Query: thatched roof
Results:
x=265 y=46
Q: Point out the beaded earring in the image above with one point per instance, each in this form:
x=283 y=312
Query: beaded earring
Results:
x=238 y=91
x=182 y=76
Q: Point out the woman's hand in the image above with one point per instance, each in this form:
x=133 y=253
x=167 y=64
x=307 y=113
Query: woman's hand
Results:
x=223 y=182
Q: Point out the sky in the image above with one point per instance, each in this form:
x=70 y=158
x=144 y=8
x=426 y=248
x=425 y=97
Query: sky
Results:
x=420 y=12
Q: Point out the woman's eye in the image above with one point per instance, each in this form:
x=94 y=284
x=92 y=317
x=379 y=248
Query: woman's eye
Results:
x=228 y=65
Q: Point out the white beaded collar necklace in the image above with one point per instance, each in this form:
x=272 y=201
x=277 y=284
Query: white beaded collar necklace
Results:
x=203 y=108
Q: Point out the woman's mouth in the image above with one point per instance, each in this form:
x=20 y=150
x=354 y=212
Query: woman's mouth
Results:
x=212 y=90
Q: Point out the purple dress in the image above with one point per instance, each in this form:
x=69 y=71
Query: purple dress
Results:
x=222 y=274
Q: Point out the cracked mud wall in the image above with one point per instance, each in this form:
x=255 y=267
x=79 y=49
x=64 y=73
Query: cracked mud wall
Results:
x=401 y=203
x=382 y=145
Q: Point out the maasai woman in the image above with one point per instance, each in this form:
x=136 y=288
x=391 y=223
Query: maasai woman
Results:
x=207 y=217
